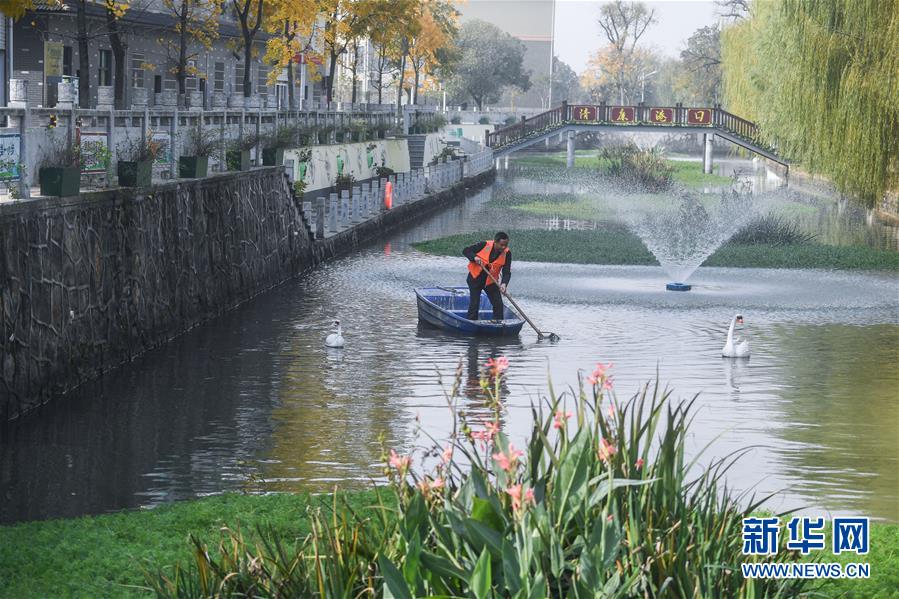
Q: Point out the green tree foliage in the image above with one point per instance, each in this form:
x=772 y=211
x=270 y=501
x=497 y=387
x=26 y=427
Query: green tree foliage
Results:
x=565 y=85
x=822 y=81
x=489 y=61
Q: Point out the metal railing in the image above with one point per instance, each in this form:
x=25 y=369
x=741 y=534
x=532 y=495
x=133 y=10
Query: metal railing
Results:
x=624 y=116
x=28 y=136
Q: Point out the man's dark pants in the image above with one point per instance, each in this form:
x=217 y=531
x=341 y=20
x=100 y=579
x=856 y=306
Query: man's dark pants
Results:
x=475 y=285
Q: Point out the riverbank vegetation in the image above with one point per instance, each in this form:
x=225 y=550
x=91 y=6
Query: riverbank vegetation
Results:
x=616 y=245
x=820 y=80
x=600 y=496
x=685 y=172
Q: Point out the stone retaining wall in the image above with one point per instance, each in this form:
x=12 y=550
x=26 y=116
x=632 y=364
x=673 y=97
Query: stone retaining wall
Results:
x=90 y=282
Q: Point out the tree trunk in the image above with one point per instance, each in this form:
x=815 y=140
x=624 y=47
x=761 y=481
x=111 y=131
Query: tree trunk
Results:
x=118 y=56
x=247 y=58
x=84 y=61
x=355 y=69
x=415 y=88
x=399 y=87
x=291 y=92
x=181 y=72
x=332 y=68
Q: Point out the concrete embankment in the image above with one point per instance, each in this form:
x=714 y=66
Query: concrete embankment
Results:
x=90 y=282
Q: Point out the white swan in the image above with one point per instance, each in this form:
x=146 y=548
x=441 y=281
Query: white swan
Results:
x=738 y=348
x=335 y=339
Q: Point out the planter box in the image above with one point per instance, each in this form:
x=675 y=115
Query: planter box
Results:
x=60 y=180
x=272 y=156
x=193 y=167
x=135 y=174
x=382 y=134
x=66 y=94
x=237 y=160
x=323 y=137
x=339 y=137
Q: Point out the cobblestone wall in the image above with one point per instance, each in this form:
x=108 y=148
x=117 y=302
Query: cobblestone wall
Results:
x=90 y=282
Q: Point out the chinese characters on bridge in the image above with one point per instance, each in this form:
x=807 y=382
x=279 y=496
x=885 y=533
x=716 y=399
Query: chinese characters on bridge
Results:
x=625 y=115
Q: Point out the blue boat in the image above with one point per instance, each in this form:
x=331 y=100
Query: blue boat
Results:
x=446 y=308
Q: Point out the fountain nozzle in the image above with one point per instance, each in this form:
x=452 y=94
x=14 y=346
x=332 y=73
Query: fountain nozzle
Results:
x=678 y=287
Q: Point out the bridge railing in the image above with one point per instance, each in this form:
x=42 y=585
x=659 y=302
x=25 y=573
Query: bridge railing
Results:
x=603 y=114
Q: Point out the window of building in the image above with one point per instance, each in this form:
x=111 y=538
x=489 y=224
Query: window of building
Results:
x=262 y=81
x=67 y=61
x=104 y=72
x=238 y=78
x=190 y=82
x=137 y=70
x=219 y=77
x=170 y=84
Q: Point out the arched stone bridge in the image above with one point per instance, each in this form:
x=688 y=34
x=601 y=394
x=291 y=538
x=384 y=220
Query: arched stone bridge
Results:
x=570 y=119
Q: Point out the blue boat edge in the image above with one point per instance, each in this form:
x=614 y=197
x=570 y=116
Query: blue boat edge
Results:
x=455 y=300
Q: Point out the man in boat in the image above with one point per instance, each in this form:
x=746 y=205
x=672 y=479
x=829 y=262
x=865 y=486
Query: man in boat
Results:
x=494 y=256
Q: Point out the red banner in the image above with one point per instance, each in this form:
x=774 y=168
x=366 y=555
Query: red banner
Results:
x=621 y=114
x=661 y=116
x=699 y=116
x=583 y=113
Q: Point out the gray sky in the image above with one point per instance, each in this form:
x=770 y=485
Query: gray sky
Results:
x=577 y=35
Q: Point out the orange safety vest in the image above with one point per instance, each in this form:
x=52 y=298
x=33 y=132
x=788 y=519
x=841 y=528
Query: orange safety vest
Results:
x=494 y=267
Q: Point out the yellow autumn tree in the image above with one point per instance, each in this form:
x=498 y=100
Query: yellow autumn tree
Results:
x=196 y=27
x=293 y=29
x=429 y=47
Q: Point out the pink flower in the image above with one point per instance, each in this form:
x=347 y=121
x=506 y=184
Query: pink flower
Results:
x=399 y=462
x=606 y=450
x=610 y=518
x=607 y=383
x=638 y=464
x=559 y=415
x=508 y=462
x=447 y=454
x=611 y=410
x=491 y=427
x=498 y=366
x=427 y=485
x=599 y=375
x=529 y=497
x=514 y=492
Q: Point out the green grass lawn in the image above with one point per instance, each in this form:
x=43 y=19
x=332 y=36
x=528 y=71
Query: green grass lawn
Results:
x=106 y=556
x=616 y=245
x=686 y=172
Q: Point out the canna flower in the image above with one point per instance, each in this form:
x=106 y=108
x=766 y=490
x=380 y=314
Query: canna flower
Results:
x=401 y=463
x=558 y=416
x=508 y=462
x=447 y=454
x=426 y=485
x=491 y=427
x=497 y=366
x=607 y=383
x=606 y=450
x=514 y=491
x=529 y=497
x=611 y=411
x=599 y=374
x=639 y=463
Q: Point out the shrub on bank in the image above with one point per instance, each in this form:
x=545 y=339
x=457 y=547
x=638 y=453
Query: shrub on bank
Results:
x=601 y=499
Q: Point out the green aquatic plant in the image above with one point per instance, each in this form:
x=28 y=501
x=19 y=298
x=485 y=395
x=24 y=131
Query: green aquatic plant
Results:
x=601 y=498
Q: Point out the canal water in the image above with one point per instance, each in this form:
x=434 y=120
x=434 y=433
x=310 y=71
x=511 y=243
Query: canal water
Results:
x=253 y=401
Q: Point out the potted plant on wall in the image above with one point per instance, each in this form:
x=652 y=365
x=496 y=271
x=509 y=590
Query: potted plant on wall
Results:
x=136 y=157
x=359 y=129
x=237 y=155
x=60 y=172
x=324 y=134
x=303 y=158
x=274 y=145
x=199 y=146
x=339 y=134
x=344 y=182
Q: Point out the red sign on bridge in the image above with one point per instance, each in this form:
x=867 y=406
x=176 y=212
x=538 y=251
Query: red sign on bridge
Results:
x=622 y=114
x=583 y=113
x=699 y=116
x=661 y=116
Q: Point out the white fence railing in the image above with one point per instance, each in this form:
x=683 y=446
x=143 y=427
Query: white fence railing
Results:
x=478 y=163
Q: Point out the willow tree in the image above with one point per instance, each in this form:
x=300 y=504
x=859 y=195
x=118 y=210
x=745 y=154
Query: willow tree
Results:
x=822 y=81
